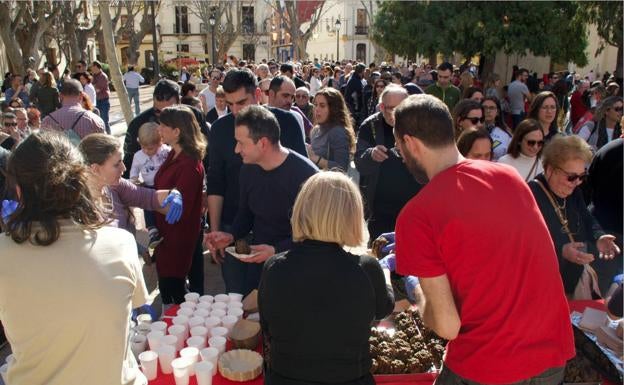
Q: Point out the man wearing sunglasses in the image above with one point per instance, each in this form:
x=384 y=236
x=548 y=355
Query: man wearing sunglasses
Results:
x=487 y=268
x=9 y=135
x=208 y=94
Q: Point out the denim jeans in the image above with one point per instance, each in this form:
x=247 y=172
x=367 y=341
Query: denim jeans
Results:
x=516 y=119
x=552 y=376
x=133 y=94
x=104 y=106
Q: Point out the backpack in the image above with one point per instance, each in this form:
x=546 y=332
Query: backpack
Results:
x=72 y=135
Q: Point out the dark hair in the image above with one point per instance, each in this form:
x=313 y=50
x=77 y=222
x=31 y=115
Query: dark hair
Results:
x=235 y=79
x=166 y=89
x=188 y=87
x=338 y=113
x=191 y=139
x=97 y=148
x=522 y=129
x=424 y=117
x=471 y=91
x=445 y=66
x=461 y=111
x=130 y=68
x=276 y=83
x=519 y=72
x=97 y=64
x=536 y=104
x=52 y=178
x=191 y=101
x=260 y=122
x=359 y=68
x=85 y=75
x=498 y=120
x=287 y=67
x=84 y=63
x=468 y=137
x=71 y=87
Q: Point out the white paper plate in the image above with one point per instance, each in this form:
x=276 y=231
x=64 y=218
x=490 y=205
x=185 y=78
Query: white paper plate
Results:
x=232 y=250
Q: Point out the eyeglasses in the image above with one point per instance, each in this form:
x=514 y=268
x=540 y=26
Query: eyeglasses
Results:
x=490 y=108
x=532 y=143
x=303 y=96
x=572 y=177
x=10 y=124
x=216 y=78
x=618 y=109
x=475 y=120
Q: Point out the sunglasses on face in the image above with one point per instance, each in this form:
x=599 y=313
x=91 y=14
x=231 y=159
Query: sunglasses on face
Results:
x=216 y=79
x=475 y=120
x=618 y=109
x=11 y=124
x=532 y=143
x=572 y=177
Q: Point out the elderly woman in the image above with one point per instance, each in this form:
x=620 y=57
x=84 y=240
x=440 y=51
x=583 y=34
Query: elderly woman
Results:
x=318 y=280
x=58 y=256
x=577 y=236
x=525 y=149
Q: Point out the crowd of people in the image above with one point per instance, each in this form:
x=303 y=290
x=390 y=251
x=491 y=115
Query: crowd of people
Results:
x=484 y=186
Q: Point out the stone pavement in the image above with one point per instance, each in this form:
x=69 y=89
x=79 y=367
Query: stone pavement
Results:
x=212 y=273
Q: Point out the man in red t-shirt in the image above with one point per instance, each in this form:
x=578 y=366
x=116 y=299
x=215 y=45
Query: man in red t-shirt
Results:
x=489 y=279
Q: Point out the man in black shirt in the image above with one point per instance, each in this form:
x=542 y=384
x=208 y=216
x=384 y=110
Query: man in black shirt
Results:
x=270 y=179
x=385 y=182
x=354 y=95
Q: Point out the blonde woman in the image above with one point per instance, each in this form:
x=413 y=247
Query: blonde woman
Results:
x=318 y=280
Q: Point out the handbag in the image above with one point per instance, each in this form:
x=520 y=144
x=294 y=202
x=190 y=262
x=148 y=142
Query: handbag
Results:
x=587 y=287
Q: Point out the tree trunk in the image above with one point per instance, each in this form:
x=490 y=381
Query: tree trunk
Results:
x=619 y=65
x=109 y=44
x=489 y=63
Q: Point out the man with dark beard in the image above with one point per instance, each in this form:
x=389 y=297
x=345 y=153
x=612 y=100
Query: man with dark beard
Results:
x=486 y=264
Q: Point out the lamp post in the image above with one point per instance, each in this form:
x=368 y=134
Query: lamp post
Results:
x=212 y=22
x=337 y=27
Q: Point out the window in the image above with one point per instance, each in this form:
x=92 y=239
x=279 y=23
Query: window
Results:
x=124 y=56
x=360 y=52
x=149 y=58
x=181 y=20
x=182 y=48
x=249 y=52
x=248 y=23
x=361 y=26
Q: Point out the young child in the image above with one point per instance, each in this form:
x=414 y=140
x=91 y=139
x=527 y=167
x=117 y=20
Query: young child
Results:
x=145 y=165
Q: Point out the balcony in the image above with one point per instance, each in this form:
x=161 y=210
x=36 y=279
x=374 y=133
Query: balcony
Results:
x=361 y=29
x=184 y=30
x=248 y=28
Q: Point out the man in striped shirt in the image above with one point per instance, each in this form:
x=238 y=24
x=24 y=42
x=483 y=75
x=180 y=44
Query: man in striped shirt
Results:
x=72 y=119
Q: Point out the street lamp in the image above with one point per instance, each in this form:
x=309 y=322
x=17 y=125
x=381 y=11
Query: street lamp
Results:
x=337 y=27
x=212 y=22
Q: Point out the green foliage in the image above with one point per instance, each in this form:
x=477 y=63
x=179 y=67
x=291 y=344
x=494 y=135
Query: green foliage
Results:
x=482 y=27
x=608 y=16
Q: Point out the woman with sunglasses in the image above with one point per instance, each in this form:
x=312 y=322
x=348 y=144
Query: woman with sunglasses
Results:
x=500 y=133
x=378 y=87
x=525 y=149
x=605 y=124
x=545 y=110
x=577 y=236
x=467 y=113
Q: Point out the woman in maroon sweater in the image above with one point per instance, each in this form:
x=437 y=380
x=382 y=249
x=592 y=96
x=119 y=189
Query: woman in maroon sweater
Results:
x=183 y=170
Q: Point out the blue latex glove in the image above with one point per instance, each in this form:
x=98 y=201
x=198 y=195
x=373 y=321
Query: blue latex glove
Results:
x=618 y=279
x=389 y=247
x=388 y=262
x=410 y=286
x=8 y=208
x=389 y=237
x=174 y=199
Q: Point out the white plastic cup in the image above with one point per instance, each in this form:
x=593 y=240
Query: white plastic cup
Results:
x=144 y=328
x=236 y=297
x=180 y=332
x=222 y=298
x=219 y=331
x=217 y=342
x=185 y=311
x=218 y=313
x=166 y=354
x=199 y=331
x=203 y=313
x=203 y=372
x=182 y=320
x=191 y=354
x=236 y=312
x=188 y=304
x=232 y=305
x=198 y=342
x=195 y=321
x=212 y=355
x=228 y=322
x=138 y=344
x=149 y=364
x=204 y=306
x=180 y=368
x=219 y=305
x=3 y=373
x=212 y=322
x=147 y=318
x=153 y=339
x=159 y=326
x=206 y=299
x=191 y=297
x=170 y=340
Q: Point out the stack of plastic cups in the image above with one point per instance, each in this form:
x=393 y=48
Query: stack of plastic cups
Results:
x=179 y=332
x=166 y=354
x=181 y=369
x=212 y=355
x=149 y=364
x=203 y=372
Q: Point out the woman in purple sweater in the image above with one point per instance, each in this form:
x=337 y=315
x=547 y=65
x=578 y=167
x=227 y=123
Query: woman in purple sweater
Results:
x=117 y=195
